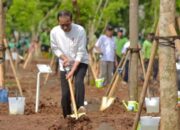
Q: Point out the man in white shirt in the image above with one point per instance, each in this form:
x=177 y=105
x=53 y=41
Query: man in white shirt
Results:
x=106 y=46
x=68 y=42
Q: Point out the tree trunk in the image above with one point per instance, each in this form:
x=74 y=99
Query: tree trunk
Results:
x=133 y=64
x=76 y=10
x=168 y=85
x=1 y=46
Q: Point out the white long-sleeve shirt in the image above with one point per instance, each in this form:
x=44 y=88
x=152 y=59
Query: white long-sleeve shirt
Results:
x=125 y=47
x=72 y=43
x=107 y=46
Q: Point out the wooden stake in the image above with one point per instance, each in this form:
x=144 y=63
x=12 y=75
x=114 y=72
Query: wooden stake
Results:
x=13 y=68
x=144 y=71
x=91 y=67
x=51 y=65
x=145 y=85
x=115 y=74
x=27 y=60
x=1 y=77
x=113 y=87
x=142 y=64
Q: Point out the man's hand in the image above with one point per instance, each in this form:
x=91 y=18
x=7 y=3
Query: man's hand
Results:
x=70 y=74
x=98 y=49
x=73 y=69
x=65 y=60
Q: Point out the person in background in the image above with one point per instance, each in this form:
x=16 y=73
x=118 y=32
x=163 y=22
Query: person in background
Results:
x=146 y=49
x=147 y=45
x=23 y=45
x=120 y=40
x=12 y=45
x=68 y=43
x=106 y=46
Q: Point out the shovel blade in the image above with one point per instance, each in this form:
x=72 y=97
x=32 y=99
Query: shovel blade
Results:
x=77 y=116
x=106 y=102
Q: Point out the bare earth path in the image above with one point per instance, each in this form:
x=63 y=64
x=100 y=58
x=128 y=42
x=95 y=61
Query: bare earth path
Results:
x=50 y=115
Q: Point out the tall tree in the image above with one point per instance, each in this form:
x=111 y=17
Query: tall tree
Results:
x=20 y=14
x=168 y=85
x=1 y=45
x=133 y=65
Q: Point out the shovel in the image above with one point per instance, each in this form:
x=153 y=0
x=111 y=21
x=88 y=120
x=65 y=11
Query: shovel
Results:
x=109 y=99
x=115 y=74
x=76 y=115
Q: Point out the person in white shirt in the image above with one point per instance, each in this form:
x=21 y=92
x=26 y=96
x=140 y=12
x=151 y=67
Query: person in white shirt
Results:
x=68 y=43
x=125 y=47
x=106 y=46
x=124 y=51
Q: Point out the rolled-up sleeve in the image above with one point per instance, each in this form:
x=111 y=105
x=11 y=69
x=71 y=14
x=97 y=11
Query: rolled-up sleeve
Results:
x=54 y=45
x=81 y=46
x=99 y=41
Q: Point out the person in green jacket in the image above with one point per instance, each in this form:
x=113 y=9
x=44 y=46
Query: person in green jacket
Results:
x=147 y=45
x=120 y=40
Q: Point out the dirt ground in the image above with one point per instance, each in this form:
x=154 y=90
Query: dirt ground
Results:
x=50 y=117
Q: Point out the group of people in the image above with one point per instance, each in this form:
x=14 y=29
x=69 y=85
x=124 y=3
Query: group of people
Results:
x=21 y=44
x=112 y=48
x=68 y=42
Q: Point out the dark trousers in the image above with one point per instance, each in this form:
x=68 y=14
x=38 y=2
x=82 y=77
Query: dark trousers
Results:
x=126 y=71
x=79 y=89
x=45 y=48
x=155 y=67
x=56 y=64
x=118 y=59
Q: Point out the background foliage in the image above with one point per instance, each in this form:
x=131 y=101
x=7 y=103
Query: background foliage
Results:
x=34 y=15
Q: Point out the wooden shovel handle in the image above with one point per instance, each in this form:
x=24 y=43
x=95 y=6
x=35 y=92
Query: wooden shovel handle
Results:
x=115 y=74
x=113 y=88
x=13 y=68
x=73 y=98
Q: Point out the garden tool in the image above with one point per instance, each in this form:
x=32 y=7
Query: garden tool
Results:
x=146 y=81
x=115 y=74
x=109 y=99
x=76 y=115
x=131 y=106
x=13 y=67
